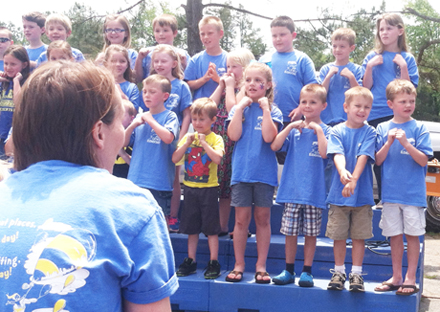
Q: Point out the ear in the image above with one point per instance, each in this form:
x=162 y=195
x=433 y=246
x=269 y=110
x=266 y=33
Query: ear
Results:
x=43 y=30
x=12 y=42
x=68 y=34
x=345 y=107
x=98 y=135
x=294 y=35
x=324 y=105
x=390 y=104
x=166 y=95
x=221 y=33
x=352 y=48
x=214 y=119
x=24 y=65
x=175 y=34
x=174 y=64
x=269 y=85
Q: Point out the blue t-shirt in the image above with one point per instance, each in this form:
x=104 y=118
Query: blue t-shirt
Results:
x=197 y=68
x=7 y=108
x=352 y=143
x=385 y=73
x=252 y=159
x=403 y=180
x=77 y=55
x=2 y=65
x=151 y=165
x=78 y=238
x=132 y=55
x=302 y=181
x=334 y=112
x=146 y=62
x=132 y=92
x=180 y=98
x=35 y=53
x=291 y=71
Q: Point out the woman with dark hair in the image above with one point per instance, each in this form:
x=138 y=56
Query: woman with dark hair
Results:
x=77 y=237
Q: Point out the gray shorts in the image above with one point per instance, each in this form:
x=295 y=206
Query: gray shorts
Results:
x=245 y=194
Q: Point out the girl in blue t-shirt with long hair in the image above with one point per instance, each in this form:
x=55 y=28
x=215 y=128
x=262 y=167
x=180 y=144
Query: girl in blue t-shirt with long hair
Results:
x=254 y=123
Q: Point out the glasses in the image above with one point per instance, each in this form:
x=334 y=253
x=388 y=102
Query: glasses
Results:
x=3 y=40
x=115 y=30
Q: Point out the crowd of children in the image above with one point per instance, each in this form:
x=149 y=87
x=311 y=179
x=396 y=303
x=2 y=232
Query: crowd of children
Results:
x=248 y=115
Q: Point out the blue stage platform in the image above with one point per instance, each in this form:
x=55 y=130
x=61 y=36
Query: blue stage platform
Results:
x=197 y=294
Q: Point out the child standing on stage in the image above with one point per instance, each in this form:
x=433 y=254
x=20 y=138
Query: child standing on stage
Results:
x=229 y=92
x=253 y=124
x=5 y=42
x=117 y=31
x=33 y=28
x=201 y=152
x=166 y=61
x=302 y=188
x=403 y=148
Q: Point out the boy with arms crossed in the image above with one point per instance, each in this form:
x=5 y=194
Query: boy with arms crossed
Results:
x=351 y=144
x=403 y=148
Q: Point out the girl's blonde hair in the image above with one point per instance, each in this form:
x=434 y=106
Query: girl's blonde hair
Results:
x=242 y=57
x=165 y=48
x=125 y=24
x=115 y=48
x=267 y=72
x=61 y=45
x=392 y=19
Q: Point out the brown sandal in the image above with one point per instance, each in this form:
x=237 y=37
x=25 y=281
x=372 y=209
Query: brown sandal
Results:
x=234 y=279
x=262 y=280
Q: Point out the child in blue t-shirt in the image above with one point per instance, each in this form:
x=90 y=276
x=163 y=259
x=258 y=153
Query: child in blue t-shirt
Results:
x=253 y=123
x=340 y=75
x=403 y=148
x=302 y=187
x=351 y=144
x=205 y=69
x=33 y=28
x=153 y=136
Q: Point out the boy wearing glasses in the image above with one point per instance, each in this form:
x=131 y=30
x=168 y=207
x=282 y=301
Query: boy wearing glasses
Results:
x=5 y=42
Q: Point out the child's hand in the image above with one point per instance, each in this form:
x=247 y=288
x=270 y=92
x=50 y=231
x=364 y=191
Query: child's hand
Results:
x=202 y=138
x=213 y=72
x=313 y=125
x=229 y=80
x=138 y=120
x=349 y=188
x=147 y=117
x=245 y=101
x=391 y=135
x=377 y=60
x=401 y=136
x=3 y=77
x=190 y=138
x=346 y=73
x=264 y=103
x=399 y=60
x=183 y=60
x=333 y=71
x=17 y=78
x=345 y=176
x=295 y=114
x=299 y=125
x=144 y=52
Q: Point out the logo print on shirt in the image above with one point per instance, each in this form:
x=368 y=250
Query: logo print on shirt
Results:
x=315 y=150
x=172 y=102
x=412 y=142
x=291 y=68
x=259 y=122
x=154 y=138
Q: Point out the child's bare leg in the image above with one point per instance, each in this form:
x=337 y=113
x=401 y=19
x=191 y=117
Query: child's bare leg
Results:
x=339 y=250
x=262 y=222
x=358 y=251
x=193 y=240
x=412 y=253
x=175 y=199
x=242 y=219
x=291 y=246
x=225 y=210
x=396 y=244
x=213 y=246
x=309 y=250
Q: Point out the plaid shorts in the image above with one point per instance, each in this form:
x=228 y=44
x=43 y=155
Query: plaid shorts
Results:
x=301 y=219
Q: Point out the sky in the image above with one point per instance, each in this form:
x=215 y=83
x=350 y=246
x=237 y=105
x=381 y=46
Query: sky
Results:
x=10 y=12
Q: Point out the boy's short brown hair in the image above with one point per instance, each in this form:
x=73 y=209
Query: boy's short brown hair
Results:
x=165 y=84
x=129 y=107
x=60 y=19
x=166 y=20
x=214 y=20
x=399 y=86
x=36 y=17
x=7 y=31
x=351 y=93
x=204 y=105
x=283 y=21
x=346 y=34
x=316 y=89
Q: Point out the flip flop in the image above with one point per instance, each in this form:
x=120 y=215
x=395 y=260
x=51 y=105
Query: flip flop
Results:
x=391 y=287
x=413 y=287
x=262 y=275
x=235 y=279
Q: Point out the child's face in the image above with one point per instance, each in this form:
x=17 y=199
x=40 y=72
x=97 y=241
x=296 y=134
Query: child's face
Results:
x=403 y=106
x=282 y=39
x=341 y=50
x=164 y=64
x=358 y=110
x=4 y=36
x=210 y=36
x=234 y=68
x=32 y=31
x=59 y=55
x=256 y=84
x=56 y=31
x=126 y=121
x=153 y=95
x=389 y=35
x=311 y=106
x=164 y=34
x=117 y=36
x=117 y=64
x=12 y=65
x=202 y=123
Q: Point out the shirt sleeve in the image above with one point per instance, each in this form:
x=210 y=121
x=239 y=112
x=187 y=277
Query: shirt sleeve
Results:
x=423 y=142
x=186 y=99
x=368 y=145
x=334 y=145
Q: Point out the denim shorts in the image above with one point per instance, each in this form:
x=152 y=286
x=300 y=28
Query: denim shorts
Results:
x=248 y=194
x=163 y=199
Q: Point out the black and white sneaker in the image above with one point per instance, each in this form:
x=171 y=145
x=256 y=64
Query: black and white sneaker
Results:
x=337 y=281
x=356 y=282
x=187 y=267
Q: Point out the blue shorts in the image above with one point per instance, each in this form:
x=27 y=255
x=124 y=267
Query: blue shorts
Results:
x=163 y=199
x=248 y=194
